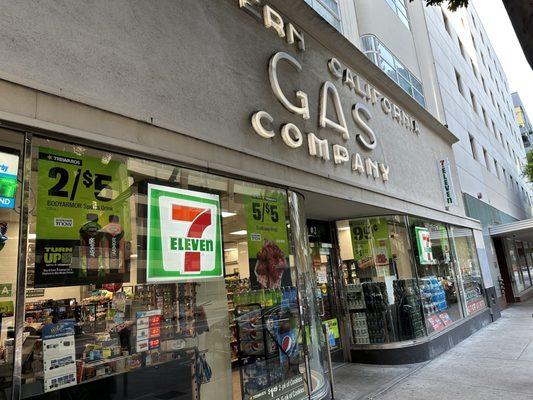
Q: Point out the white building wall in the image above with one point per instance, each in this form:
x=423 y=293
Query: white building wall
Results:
x=498 y=133
x=433 y=54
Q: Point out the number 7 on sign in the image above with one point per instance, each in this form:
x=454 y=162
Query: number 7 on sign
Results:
x=200 y=219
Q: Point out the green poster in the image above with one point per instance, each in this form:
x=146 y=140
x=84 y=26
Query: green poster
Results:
x=184 y=235
x=83 y=219
x=371 y=246
x=268 y=243
x=423 y=241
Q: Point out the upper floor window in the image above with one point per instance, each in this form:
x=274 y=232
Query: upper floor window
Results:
x=384 y=59
x=459 y=82
x=400 y=9
x=473 y=101
x=446 y=23
x=484 y=84
x=329 y=10
x=462 y=49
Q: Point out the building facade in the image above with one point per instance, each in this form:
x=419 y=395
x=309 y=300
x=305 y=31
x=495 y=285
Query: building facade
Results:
x=445 y=61
x=201 y=199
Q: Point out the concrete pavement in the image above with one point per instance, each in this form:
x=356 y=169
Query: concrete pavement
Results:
x=494 y=363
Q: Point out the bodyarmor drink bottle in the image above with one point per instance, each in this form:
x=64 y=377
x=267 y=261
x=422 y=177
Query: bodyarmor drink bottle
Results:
x=113 y=245
x=90 y=245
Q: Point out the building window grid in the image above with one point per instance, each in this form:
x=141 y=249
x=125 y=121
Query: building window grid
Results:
x=388 y=63
x=398 y=6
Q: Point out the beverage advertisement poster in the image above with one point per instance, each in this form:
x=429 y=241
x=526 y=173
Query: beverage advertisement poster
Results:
x=83 y=220
x=371 y=246
x=59 y=355
x=423 y=241
x=185 y=235
x=9 y=166
x=268 y=243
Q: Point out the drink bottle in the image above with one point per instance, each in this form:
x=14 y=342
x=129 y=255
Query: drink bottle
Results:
x=113 y=245
x=90 y=245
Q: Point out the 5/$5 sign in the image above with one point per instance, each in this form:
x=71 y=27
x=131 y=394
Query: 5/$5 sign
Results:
x=365 y=100
x=184 y=235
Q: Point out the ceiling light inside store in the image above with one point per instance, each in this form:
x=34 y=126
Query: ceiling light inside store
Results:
x=344 y=228
x=226 y=214
x=32 y=236
x=231 y=249
x=243 y=232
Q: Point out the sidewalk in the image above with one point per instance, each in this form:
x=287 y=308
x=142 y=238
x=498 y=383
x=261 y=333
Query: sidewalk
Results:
x=494 y=363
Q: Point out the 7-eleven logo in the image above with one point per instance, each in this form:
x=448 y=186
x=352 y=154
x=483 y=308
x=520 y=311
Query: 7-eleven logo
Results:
x=192 y=244
x=186 y=234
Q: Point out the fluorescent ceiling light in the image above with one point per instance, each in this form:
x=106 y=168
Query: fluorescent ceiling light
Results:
x=243 y=232
x=226 y=214
x=344 y=228
x=32 y=236
x=230 y=249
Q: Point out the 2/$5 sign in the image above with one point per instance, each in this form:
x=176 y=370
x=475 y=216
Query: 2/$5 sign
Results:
x=367 y=98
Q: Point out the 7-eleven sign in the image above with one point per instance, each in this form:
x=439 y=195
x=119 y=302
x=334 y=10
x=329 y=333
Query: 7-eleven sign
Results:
x=184 y=235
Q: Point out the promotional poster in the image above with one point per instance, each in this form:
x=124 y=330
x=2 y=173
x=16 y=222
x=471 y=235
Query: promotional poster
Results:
x=268 y=243
x=83 y=220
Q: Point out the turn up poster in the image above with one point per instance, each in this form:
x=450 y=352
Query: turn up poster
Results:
x=83 y=220
x=371 y=246
x=268 y=244
x=184 y=235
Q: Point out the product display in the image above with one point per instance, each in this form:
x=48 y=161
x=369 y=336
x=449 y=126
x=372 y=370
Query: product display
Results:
x=110 y=333
x=268 y=348
x=433 y=295
x=409 y=307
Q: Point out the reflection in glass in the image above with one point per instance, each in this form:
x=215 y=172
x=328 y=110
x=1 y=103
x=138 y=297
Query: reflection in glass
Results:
x=383 y=295
x=438 y=281
x=97 y=325
x=469 y=269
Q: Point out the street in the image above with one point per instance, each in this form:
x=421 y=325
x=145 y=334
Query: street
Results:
x=494 y=363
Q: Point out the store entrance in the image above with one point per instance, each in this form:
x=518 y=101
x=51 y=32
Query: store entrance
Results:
x=328 y=285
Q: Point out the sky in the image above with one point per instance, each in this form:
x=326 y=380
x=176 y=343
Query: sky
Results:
x=495 y=20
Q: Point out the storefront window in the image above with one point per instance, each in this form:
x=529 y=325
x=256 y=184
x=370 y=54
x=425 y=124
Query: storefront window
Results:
x=10 y=208
x=438 y=281
x=156 y=281
x=469 y=269
x=522 y=262
x=383 y=295
x=528 y=249
x=516 y=273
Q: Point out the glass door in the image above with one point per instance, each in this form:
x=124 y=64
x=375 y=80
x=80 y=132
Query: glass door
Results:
x=327 y=295
x=10 y=211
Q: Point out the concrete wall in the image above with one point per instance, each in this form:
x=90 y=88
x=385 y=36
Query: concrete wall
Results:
x=200 y=68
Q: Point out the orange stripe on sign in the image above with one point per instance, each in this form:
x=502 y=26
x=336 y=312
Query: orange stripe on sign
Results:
x=185 y=213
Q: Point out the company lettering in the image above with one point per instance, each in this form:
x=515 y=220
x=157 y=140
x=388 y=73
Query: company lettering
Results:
x=365 y=101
